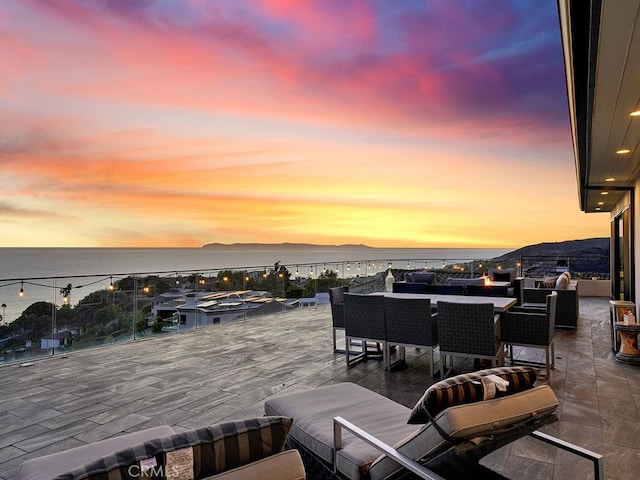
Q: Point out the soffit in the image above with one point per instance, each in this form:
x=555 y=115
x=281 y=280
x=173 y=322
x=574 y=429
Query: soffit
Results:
x=616 y=93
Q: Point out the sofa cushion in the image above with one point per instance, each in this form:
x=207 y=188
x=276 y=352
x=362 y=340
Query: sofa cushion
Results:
x=468 y=388
x=502 y=274
x=210 y=450
x=466 y=281
x=420 y=277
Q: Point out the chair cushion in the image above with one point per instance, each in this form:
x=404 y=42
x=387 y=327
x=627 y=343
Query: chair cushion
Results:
x=549 y=281
x=468 y=388
x=212 y=449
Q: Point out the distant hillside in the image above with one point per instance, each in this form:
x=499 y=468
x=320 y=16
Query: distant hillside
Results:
x=588 y=255
x=287 y=245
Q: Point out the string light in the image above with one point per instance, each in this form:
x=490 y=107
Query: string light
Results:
x=21 y=292
x=110 y=287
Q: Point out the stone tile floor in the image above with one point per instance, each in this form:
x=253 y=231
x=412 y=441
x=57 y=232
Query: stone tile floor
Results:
x=200 y=377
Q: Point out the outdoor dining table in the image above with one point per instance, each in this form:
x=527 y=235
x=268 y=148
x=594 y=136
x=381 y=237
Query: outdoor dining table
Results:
x=500 y=304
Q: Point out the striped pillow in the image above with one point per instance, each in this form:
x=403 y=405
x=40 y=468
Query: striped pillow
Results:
x=468 y=388
x=215 y=449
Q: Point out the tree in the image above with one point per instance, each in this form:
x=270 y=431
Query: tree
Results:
x=326 y=280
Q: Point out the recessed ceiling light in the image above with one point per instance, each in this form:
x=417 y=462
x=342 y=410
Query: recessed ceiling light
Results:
x=635 y=113
x=600 y=203
x=623 y=150
x=610 y=179
x=604 y=193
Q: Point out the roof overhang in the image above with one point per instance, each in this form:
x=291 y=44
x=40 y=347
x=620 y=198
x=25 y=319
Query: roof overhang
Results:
x=601 y=47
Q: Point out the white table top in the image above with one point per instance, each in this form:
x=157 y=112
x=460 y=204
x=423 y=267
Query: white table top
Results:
x=500 y=304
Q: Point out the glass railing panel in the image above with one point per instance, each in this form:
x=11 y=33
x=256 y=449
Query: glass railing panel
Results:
x=55 y=315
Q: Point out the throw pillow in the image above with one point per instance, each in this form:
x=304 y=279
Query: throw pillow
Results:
x=213 y=449
x=549 y=281
x=468 y=388
x=563 y=282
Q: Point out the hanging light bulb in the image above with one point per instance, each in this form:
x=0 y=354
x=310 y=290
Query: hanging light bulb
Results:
x=21 y=292
x=110 y=287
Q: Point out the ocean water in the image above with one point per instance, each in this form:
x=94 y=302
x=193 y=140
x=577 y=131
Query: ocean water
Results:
x=42 y=272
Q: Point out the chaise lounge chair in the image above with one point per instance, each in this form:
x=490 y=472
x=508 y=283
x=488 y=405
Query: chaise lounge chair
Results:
x=346 y=431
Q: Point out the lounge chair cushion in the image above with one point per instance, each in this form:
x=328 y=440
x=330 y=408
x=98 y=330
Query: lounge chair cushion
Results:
x=468 y=388
x=48 y=466
x=215 y=449
x=285 y=465
x=313 y=410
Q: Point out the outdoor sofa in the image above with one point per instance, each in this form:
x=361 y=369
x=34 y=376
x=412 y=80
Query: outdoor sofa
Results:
x=233 y=450
x=349 y=432
x=535 y=291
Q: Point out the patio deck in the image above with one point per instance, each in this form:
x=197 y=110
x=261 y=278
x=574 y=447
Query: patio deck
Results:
x=226 y=371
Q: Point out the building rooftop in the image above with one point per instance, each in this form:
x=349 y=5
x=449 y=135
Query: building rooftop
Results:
x=226 y=371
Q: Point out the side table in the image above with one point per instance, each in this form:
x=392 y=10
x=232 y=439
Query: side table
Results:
x=628 y=352
x=617 y=308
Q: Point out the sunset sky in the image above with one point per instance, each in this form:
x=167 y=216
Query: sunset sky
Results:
x=389 y=123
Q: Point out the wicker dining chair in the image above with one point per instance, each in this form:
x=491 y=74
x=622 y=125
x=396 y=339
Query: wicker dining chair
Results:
x=364 y=321
x=409 y=323
x=468 y=330
x=531 y=328
x=336 y=299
